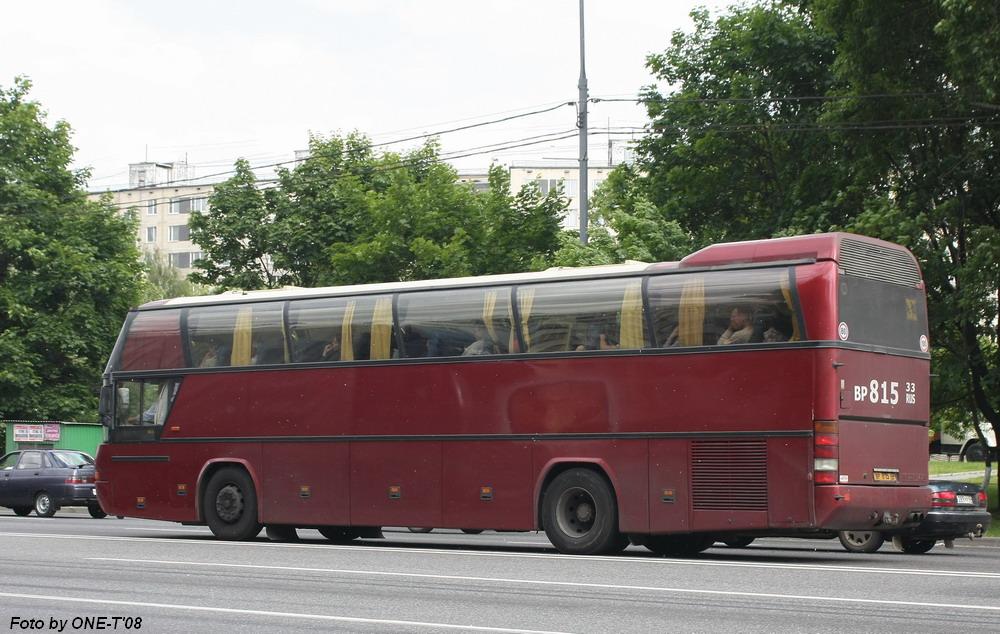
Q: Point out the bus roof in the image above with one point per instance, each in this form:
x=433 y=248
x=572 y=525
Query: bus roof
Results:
x=815 y=247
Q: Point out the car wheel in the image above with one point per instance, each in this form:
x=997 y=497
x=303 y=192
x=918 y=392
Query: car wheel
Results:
x=96 y=511
x=673 y=545
x=419 y=529
x=44 y=506
x=230 y=505
x=738 y=542
x=861 y=541
x=580 y=514
x=913 y=546
x=21 y=511
x=974 y=453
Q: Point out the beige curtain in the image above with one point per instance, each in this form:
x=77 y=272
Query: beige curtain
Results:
x=382 y=329
x=242 y=337
x=786 y=292
x=525 y=299
x=692 y=312
x=347 y=333
x=632 y=334
x=489 y=305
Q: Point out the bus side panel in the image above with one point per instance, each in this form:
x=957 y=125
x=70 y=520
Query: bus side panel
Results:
x=625 y=462
x=502 y=467
x=306 y=484
x=669 y=496
x=396 y=483
x=789 y=483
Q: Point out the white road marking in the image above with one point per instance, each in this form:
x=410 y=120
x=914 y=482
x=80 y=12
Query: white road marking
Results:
x=395 y=551
x=285 y=615
x=563 y=584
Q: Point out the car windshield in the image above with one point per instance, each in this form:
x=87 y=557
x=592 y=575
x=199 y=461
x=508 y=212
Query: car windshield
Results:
x=73 y=458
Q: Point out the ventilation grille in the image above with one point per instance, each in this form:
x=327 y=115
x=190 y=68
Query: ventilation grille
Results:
x=729 y=475
x=875 y=262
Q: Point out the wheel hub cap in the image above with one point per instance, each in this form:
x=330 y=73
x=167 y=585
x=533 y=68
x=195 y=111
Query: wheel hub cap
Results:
x=229 y=503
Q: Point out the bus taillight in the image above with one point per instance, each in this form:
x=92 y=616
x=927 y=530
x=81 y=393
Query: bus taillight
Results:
x=826 y=452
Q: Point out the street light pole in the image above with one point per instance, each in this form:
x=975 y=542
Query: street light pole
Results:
x=582 y=124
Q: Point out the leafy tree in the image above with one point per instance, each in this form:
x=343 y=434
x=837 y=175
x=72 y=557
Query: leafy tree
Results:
x=164 y=281
x=345 y=215
x=735 y=151
x=237 y=235
x=69 y=270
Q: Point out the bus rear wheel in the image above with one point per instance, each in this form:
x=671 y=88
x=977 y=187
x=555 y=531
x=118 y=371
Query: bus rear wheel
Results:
x=230 y=505
x=861 y=541
x=580 y=514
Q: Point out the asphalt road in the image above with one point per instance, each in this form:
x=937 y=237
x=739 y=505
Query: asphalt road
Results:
x=176 y=578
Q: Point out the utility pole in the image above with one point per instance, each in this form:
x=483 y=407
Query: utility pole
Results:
x=582 y=124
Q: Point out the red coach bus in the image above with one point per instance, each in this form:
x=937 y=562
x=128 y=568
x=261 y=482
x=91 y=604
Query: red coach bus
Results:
x=775 y=386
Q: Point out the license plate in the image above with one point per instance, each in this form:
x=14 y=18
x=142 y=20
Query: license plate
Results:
x=885 y=476
x=965 y=499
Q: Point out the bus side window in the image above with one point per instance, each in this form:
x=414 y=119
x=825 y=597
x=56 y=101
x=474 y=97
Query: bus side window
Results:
x=210 y=332
x=452 y=323
x=582 y=315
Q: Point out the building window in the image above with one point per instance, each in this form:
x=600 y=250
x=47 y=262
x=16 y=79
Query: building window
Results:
x=150 y=207
x=150 y=234
x=546 y=185
x=188 y=205
x=180 y=260
x=179 y=232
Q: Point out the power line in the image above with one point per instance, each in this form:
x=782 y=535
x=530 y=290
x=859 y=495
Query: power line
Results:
x=681 y=98
x=385 y=143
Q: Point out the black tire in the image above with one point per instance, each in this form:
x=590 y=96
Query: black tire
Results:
x=678 y=545
x=472 y=531
x=230 y=505
x=912 y=545
x=974 y=453
x=738 y=542
x=420 y=529
x=861 y=541
x=22 y=511
x=96 y=511
x=580 y=514
x=44 y=506
x=281 y=533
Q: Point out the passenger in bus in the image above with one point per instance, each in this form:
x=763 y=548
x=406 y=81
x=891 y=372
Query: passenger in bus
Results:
x=482 y=345
x=773 y=335
x=331 y=351
x=740 y=327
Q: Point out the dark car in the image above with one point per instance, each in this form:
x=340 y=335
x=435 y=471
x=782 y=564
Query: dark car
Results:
x=958 y=509
x=47 y=479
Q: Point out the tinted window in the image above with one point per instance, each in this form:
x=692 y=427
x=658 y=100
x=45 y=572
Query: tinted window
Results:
x=72 y=458
x=724 y=307
x=142 y=407
x=249 y=334
x=882 y=313
x=455 y=323
x=584 y=315
x=153 y=341
x=9 y=461
x=30 y=460
x=341 y=329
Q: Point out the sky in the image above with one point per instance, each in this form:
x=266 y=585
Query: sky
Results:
x=209 y=82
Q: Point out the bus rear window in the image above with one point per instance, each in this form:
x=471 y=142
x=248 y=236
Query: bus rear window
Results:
x=882 y=313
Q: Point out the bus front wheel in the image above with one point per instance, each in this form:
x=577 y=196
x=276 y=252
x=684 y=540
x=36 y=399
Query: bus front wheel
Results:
x=230 y=505
x=580 y=514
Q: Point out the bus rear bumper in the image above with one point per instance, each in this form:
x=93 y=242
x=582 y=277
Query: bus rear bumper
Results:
x=857 y=507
